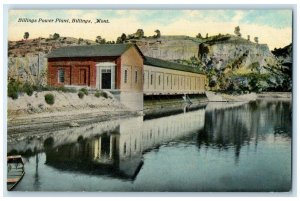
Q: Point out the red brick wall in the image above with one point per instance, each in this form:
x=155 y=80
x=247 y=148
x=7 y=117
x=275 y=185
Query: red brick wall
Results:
x=72 y=67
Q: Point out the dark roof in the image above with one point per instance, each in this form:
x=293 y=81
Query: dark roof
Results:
x=91 y=50
x=170 y=65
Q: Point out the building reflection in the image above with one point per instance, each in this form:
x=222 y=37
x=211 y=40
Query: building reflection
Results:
x=118 y=152
x=248 y=123
x=116 y=148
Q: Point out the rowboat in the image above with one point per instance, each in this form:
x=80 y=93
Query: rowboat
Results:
x=15 y=171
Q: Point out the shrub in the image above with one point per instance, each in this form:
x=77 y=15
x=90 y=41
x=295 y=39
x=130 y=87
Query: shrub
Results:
x=101 y=93
x=97 y=94
x=13 y=89
x=105 y=95
x=64 y=89
x=49 y=98
x=80 y=94
x=28 y=89
x=84 y=90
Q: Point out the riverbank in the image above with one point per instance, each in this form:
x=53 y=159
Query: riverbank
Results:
x=33 y=114
x=221 y=97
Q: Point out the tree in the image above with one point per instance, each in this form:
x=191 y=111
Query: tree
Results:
x=237 y=31
x=123 y=37
x=26 y=35
x=80 y=40
x=157 y=33
x=248 y=37
x=55 y=36
x=199 y=35
x=256 y=39
x=139 y=33
x=119 y=40
x=100 y=40
x=206 y=35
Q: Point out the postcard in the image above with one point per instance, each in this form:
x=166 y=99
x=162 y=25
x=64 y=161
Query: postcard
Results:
x=148 y=100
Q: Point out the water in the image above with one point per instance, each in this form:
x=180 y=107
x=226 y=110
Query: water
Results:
x=215 y=148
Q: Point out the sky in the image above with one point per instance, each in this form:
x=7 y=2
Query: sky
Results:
x=272 y=27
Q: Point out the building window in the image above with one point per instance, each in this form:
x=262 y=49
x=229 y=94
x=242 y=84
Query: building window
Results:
x=167 y=80
x=159 y=80
x=125 y=76
x=135 y=77
x=124 y=148
x=61 y=76
x=151 y=79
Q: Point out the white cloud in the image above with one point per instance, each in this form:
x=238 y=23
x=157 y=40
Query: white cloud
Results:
x=238 y=16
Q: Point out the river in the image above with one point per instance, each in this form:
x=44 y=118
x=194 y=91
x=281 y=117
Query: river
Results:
x=215 y=148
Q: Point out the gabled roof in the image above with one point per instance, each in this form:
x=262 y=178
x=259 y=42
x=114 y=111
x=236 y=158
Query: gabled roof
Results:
x=91 y=50
x=170 y=65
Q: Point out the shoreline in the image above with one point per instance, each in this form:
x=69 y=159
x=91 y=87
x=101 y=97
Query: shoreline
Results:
x=79 y=115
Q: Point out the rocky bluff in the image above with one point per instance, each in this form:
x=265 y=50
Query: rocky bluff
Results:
x=230 y=62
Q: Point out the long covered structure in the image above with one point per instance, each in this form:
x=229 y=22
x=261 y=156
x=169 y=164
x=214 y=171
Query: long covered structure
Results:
x=163 y=77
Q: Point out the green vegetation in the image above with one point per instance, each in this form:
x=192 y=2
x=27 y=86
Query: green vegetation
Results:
x=85 y=91
x=13 y=89
x=55 y=36
x=80 y=94
x=100 y=40
x=28 y=89
x=26 y=35
x=237 y=31
x=49 y=98
x=104 y=94
x=97 y=94
x=101 y=93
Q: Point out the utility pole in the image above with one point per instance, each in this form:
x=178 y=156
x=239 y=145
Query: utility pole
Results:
x=38 y=70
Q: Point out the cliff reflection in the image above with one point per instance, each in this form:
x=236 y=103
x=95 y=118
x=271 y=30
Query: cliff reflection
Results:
x=239 y=126
x=117 y=152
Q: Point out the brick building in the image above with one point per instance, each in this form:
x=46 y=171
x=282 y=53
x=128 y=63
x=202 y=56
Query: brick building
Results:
x=113 y=67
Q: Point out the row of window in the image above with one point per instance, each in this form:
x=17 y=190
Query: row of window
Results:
x=181 y=81
x=126 y=76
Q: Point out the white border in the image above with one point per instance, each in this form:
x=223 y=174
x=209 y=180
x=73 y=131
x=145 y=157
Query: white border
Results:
x=155 y=4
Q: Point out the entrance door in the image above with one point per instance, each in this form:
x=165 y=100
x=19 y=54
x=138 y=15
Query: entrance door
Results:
x=106 y=79
x=82 y=76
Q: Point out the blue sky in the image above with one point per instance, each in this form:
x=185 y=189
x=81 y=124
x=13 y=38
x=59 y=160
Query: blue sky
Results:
x=261 y=23
x=272 y=18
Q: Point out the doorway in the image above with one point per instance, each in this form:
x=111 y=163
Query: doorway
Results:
x=106 y=78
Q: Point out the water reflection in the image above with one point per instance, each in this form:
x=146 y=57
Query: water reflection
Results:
x=118 y=152
x=237 y=126
x=117 y=149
